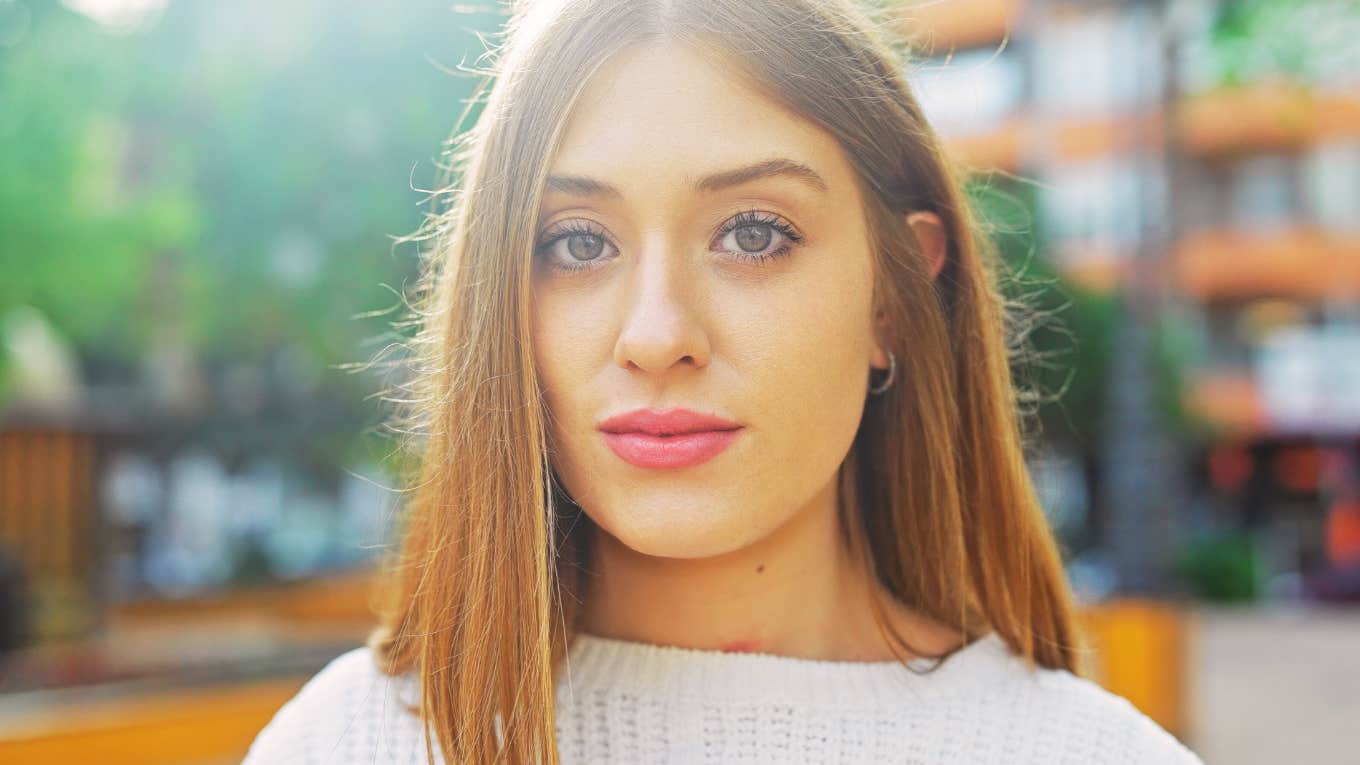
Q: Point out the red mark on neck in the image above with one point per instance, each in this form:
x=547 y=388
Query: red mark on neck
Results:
x=741 y=646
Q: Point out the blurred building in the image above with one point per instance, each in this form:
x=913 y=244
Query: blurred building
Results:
x=1201 y=161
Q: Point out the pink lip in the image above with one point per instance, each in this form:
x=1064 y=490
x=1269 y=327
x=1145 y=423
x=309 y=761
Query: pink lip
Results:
x=671 y=438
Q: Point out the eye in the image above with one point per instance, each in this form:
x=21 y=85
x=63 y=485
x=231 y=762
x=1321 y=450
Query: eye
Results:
x=575 y=245
x=750 y=236
x=757 y=237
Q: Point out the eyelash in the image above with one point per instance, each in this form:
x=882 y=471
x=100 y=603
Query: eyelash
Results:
x=745 y=218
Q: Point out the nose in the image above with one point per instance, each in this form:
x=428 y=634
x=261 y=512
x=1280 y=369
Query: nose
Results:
x=662 y=323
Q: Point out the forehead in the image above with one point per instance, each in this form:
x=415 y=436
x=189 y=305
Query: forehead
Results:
x=665 y=112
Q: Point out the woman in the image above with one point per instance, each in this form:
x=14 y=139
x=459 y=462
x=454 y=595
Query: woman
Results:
x=718 y=456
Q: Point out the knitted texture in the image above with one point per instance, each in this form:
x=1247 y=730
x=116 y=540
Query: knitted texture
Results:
x=628 y=702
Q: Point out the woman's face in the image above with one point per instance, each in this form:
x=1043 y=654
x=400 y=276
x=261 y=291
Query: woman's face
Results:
x=670 y=271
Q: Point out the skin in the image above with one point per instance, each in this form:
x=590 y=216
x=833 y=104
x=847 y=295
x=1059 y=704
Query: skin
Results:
x=740 y=552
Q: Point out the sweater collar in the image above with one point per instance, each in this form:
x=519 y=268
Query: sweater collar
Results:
x=651 y=670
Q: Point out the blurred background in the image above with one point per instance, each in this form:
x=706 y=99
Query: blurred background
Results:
x=201 y=213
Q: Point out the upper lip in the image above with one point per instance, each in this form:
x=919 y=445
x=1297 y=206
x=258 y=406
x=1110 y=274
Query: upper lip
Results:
x=658 y=422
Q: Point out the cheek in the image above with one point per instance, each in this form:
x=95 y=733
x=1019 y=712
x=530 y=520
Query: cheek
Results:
x=566 y=339
x=569 y=355
x=810 y=334
x=802 y=353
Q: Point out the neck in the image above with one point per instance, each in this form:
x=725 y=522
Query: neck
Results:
x=798 y=592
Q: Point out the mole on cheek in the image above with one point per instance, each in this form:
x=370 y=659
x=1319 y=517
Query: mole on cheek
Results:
x=760 y=568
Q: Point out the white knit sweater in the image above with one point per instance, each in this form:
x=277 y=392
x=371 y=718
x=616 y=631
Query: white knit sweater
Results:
x=629 y=702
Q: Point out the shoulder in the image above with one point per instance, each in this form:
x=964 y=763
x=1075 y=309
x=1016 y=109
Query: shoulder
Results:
x=990 y=705
x=349 y=711
x=1092 y=724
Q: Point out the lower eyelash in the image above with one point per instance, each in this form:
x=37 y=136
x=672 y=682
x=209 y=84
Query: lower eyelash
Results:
x=783 y=250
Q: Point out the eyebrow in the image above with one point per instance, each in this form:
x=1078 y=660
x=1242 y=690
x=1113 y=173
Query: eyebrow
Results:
x=579 y=185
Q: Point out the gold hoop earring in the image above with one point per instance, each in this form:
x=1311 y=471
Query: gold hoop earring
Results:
x=892 y=374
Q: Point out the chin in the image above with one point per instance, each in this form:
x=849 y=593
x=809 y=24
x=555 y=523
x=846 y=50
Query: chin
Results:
x=677 y=530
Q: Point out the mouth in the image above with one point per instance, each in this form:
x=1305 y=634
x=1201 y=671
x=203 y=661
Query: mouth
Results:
x=668 y=438
x=678 y=450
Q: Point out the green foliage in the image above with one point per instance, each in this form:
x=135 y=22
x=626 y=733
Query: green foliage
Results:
x=1173 y=354
x=73 y=245
x=1226 y=567
x=1063 y=334
x=1302 y=40
x=232 y=177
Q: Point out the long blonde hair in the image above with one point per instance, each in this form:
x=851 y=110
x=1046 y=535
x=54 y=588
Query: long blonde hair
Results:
x=481 y=594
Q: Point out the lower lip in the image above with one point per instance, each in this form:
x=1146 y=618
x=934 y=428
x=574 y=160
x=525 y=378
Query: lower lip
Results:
x=678 y=451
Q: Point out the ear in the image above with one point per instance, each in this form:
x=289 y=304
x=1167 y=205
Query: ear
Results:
x=929 y=231
x=878 y=358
